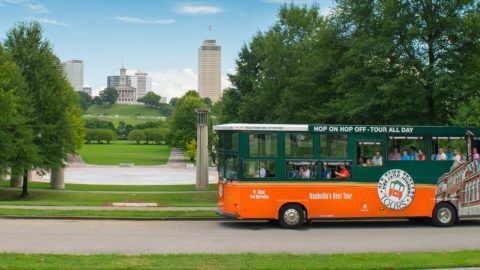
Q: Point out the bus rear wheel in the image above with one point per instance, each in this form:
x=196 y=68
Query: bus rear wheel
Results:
x=444 y=215
x=291 y=216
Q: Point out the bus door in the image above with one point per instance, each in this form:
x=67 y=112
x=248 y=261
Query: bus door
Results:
x=369 y=155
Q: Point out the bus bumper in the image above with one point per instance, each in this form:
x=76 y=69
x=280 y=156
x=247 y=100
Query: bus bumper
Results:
x=228 y=215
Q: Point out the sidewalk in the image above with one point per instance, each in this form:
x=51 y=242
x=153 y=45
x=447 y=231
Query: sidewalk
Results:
x=107 y=208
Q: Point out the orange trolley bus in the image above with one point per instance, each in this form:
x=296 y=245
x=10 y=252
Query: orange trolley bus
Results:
x=297 y=173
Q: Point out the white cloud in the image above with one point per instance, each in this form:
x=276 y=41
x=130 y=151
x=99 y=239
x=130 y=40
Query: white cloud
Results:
x=171 y=83
x=46 y=20
x=29 y=4
x=325 y=11
x=128 y=19
x=197 y=9
x=289 y=1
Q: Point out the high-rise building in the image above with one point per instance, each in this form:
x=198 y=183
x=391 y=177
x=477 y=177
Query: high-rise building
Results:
x=113 y=81
x=74 y=73
x=126 y=93
x=209 y=70
x=141 y=83
x=87 y=89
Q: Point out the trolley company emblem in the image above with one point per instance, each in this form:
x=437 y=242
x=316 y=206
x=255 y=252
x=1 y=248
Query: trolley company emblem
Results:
x=396 y=189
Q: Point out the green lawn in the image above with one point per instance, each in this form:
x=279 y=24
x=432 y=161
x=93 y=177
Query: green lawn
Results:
x=65 y=198
x=125 y=152
x=123 y=110
x=108 y=213
x=129 y=188
x=244 y=261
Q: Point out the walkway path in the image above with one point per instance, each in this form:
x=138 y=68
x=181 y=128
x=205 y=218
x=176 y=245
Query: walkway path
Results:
x=176 y=159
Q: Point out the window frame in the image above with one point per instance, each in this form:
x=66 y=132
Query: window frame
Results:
x=244 y=166
x=276 y=155
x=313 y=172
x=347 y=140
x=419 y=137
x=357 y=154
x=286 y=137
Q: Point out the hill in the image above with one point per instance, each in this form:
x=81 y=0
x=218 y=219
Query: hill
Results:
x=124 y=110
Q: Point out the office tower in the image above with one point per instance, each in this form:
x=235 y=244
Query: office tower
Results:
x=73 y=70
x=113 y=81
x=209 y=70
x=141 y=84
x=87 y=89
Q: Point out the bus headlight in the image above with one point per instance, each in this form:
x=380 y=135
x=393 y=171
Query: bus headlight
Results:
x=220 y=190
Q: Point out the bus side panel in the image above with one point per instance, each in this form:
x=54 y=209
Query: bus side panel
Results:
x=326 y=200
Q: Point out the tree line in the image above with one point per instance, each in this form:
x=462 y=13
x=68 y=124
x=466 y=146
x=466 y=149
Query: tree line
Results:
x=40 y=119
x=367 y=62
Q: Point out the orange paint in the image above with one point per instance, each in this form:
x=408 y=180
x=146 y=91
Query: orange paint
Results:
x=263 y=200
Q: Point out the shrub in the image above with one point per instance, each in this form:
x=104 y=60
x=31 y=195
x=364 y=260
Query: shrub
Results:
x=99 y=135
x=137 y=135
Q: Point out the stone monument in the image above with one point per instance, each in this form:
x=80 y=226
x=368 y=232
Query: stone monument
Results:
x=202 y=149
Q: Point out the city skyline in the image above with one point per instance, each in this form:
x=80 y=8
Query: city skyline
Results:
x=160 y=38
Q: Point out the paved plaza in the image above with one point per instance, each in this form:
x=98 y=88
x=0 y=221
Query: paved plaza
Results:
x=176 y=171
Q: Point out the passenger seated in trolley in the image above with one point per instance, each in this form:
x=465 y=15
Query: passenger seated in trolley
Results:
x=343 y=173
x=368 y=163
x=377 y=160
x=304 y=172
x=326 y=172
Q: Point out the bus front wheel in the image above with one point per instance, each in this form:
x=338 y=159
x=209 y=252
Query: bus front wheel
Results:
x=444 y=215
x=291 y=216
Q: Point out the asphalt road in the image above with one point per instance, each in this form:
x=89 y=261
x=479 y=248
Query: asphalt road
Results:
x=134 y=237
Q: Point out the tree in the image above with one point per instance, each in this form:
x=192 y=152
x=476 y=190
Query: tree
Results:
x=183 y=121
x=85 y=100
x=109 y=96
x=19 y=152
x=97 y=100
x=137 y=135
x=370 y=62
x=150 y=99
x=468 y=113
x=207 y=102
x=191 y=150
x=56 y=117
x=173 y=102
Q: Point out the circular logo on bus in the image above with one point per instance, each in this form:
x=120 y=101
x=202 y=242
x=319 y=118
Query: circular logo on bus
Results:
x=396 y=189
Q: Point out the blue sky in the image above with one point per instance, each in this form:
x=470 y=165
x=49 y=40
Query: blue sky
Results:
x=160 y=37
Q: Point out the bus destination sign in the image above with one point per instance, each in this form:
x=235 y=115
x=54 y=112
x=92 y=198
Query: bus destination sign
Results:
x=361 y=129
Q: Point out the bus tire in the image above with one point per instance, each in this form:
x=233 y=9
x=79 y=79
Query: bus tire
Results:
x=291 y=216
x=444 y=215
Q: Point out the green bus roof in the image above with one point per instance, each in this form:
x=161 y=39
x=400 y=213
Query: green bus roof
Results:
x=394 y=130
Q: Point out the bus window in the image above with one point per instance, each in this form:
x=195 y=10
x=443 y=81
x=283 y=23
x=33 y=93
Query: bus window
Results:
x=301 y=169
x=369 y=153
x=262 y=145
x=333 y=146
x=228 y=167
x=229 y=141
x=298 y=145
x=259 y=168
x=406 y=148
x=443 y=148
x=336 y=170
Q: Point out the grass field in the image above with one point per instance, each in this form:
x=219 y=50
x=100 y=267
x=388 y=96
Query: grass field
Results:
x=123 y=110
x=424 y=260
x=117 y=214
x=124 y=152
x=65 y=198
x=129 y=188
